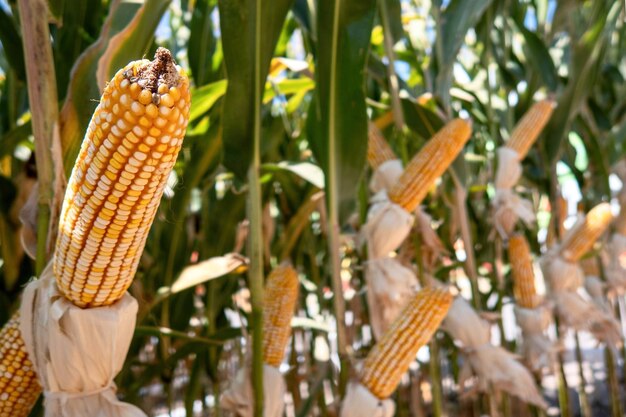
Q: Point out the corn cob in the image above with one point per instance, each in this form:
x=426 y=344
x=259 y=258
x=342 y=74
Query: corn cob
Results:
x=378 y=150
x=429 y=164
x=528 y=129
x=582 y=239
x=19 y=388
x=390 y=358
x=522 y=270
x=281 y=295
x=130 y=148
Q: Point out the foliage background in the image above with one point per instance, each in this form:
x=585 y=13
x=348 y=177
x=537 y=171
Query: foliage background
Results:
x=331 y=65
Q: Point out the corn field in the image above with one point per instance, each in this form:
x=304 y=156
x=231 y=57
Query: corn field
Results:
x=312 y=208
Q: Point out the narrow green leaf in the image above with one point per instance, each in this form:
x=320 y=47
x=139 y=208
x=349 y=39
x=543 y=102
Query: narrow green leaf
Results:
x=305 y=170
x=203 y=98
x=337 y=118
x=238 y=28
x=125 y=35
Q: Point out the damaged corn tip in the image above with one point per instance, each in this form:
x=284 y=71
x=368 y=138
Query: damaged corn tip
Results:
x=281 y=296
x=116 y=185
x=522 y=271
x=527 y=131
x=19 y=388
x=584 y=236
x=391 y=357
x=378 y=150
x=429 y=164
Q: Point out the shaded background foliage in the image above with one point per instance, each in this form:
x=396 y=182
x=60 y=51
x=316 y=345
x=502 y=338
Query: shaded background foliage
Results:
x=408 y=65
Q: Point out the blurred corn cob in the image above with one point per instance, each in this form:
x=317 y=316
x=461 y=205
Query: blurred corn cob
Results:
x=523 y=273
x=281 y=295
x=378 y=150
x=582 y=239
x=116 y=185
x=527 y=131
x=390 y=358
x=429 y=164
x=19 y=388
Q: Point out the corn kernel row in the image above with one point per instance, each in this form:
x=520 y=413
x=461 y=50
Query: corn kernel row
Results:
x=281 y=295
x=19 y=388
x=116 y=185
x=392 y=355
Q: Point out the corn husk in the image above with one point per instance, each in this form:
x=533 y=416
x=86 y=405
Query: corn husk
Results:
x=386 y=175
x=390 y=286
x=77 y=352
x=239 y=398
x=487 y=365
x=387 y=226
x=614 y=261
x=537 y=349
x=572 y=303
x=360 y=402
x=508 y=206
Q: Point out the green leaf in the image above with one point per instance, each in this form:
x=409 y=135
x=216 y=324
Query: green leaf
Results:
x=337 y=118
x=203 y=98
x=420 y=119
x=126 y=35
x=305 y=170
x=585 y=65
x=539 y=58
x=238 y=26
x=286 y=87
x=458 y=17
x=202 y=43
x=206 y=271
x=12 y=44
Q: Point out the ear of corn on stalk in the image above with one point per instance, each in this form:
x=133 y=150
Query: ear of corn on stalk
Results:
x=390 y=358
x=584 y=236
x=523 y=273
x=429 y=164
x=116 y=185
x=378 y=150
x=528 y=129
x=19 y=388
x=281 y=295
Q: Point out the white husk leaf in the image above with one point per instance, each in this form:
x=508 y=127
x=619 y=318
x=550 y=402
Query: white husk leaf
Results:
x=360 y=402
x=77 y=352
x=239 y=398
x=390 y=286
x=491 y=366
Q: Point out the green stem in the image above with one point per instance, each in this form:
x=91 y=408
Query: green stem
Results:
x=585 y=409
x=466 y=236
x=43 y=99
x=255 y=237
x=616 y=407
x=333 y=211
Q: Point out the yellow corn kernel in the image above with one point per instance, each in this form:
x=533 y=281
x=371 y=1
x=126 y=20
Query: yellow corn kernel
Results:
x=392 y=355
x=281 y=295
x=522 y=271
x=581 y=240
x=429 y=164
x=19 y=388
x=378 y=150
x=528 y=129
x=109 y=199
